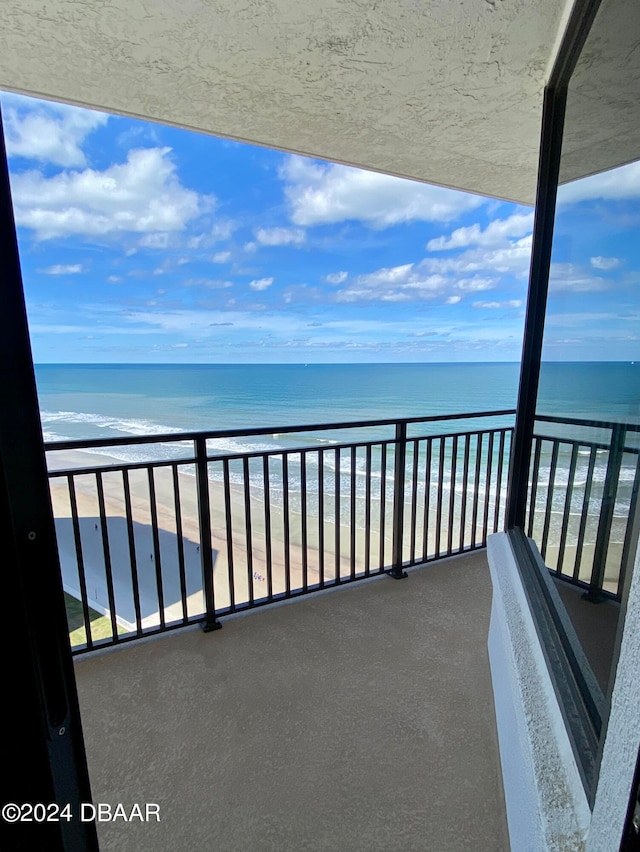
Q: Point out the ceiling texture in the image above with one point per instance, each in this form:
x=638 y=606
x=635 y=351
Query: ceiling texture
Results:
x=444 y=91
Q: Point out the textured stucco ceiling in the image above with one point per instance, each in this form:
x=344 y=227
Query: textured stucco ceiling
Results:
x=447 y=91
x=601 y=127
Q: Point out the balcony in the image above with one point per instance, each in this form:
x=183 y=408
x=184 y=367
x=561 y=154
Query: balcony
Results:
x=362 y=713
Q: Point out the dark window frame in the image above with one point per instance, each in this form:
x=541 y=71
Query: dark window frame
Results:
x=43 y=712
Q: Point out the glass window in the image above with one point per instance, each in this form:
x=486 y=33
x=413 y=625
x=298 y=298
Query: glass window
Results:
x=585 y=471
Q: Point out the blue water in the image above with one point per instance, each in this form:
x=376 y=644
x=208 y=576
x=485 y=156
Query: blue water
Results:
x=115 y=401
x=105 y=401
x=596 y=390
x=77 y=400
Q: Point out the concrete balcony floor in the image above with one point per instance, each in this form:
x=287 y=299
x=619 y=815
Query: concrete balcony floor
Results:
x=360 y=718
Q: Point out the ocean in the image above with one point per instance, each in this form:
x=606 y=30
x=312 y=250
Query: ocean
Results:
x=118 y=400
x=100 y=401
x=115 y=401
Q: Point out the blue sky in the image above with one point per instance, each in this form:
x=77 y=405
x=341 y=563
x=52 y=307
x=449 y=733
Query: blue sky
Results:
x=145 y=243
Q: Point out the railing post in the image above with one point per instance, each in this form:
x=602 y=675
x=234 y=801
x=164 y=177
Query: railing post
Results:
x=612 y=477
x=400 y=455
x=204 y=522
x=632 y=534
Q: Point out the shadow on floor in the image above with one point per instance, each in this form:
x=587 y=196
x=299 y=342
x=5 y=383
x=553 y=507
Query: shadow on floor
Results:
x=155 y=570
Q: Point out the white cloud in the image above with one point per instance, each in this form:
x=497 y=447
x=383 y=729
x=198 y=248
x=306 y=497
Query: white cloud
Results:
x=325 y=194
x=336 y=277
x=222 y=230
x=48 y=132
x=475 y=284
x=221 y=257
x=62 y=269
x=159 y=241
x=614 y=185
x=280 y=236
x=571 y=277
x=410 y=282
x=387 y=275
x=605 y=263
x=261 y=283
x=410 y=332
x=207 y=283
x=115 y=279
x=510 y=303
x=495 y=234
x=141 y=195
x=512 y=260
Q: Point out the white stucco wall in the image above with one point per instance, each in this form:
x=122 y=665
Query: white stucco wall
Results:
x=623 y=734
x=547 y=807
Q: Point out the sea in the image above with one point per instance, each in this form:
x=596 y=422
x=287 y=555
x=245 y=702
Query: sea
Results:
x=79 y=401
x=105 y=401
x=102 y=401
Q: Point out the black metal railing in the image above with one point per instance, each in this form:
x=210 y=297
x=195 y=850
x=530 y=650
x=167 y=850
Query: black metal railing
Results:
x=153 y=545
x=582 y=502
x=208 y=530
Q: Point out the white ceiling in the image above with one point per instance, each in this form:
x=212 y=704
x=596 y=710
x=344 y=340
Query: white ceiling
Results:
x=446 y=91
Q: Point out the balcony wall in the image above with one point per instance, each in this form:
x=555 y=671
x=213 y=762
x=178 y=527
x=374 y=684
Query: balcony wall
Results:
x=360 y=718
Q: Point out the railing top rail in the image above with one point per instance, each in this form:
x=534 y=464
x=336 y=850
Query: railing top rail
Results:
x=600 y=424
x=174 y=437
x=259 y=454
x=578 y=442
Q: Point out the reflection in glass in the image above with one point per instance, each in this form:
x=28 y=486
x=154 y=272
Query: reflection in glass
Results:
x=590 y=372
x=585 y=472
